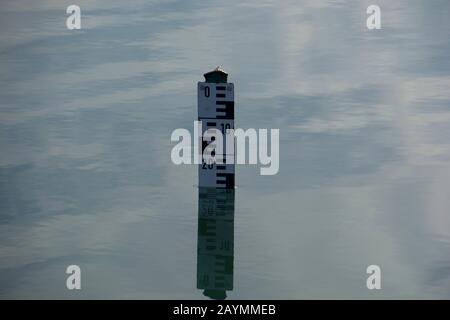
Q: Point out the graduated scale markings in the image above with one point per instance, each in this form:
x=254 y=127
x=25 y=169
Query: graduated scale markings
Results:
x=216 y=111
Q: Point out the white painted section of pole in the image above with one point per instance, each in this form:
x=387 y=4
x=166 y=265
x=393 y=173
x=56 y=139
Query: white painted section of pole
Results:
x=216 y=111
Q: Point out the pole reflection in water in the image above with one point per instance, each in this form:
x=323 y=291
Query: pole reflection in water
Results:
x=215 y=243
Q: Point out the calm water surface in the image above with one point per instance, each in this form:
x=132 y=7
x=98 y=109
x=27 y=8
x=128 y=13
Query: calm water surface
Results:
x=85 y=171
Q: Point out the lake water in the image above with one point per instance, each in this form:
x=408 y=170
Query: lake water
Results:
x=85 y=171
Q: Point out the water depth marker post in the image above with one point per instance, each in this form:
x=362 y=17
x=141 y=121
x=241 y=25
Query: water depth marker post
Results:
x=216 y=110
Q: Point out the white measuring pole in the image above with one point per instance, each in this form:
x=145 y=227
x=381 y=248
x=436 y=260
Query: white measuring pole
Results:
x=216 y=111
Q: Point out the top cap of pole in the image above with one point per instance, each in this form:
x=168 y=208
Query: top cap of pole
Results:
x=218 y=75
